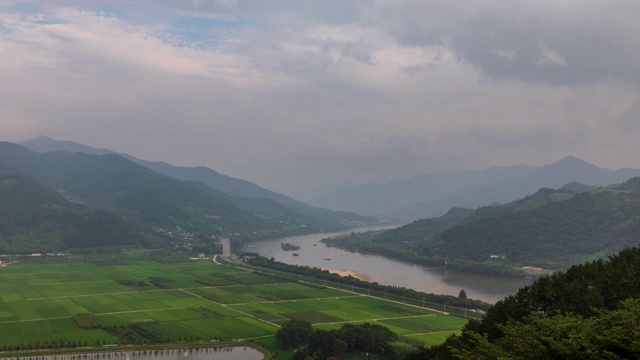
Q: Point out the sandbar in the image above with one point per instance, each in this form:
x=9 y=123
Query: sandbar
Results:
x=355 y=274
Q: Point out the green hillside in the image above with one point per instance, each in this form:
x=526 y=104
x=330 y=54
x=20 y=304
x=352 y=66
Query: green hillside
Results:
x=556 y=234
x=35 y=219
x=155 y=202
x=239 y=191
x=552 y=229
x=209 y=177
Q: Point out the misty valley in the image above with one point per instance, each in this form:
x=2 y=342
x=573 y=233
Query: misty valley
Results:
x=312 y=180
x=168 y=256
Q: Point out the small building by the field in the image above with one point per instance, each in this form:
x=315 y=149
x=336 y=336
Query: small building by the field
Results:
x=226 y=247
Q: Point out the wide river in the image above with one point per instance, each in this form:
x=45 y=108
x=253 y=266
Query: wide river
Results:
x=386 y=271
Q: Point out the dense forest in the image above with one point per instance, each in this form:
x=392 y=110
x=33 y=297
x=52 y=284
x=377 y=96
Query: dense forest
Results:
x=35 y=219
x=590 y=311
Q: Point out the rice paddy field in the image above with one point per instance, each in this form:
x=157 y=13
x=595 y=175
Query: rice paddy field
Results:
x=63 y=303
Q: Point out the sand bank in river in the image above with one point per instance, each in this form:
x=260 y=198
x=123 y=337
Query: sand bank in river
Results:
x=355 y=274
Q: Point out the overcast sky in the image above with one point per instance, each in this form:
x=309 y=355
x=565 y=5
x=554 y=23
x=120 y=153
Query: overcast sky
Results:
x=295 y=94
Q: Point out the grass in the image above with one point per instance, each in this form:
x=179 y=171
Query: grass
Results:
x=142 y=301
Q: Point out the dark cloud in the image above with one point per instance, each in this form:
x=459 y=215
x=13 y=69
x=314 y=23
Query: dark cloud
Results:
x=561 y=43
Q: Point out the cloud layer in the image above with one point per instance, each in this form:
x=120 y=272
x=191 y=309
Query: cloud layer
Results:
x=298 y=94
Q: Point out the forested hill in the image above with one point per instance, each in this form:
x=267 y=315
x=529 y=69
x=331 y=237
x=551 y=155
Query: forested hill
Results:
x=232 y=189
x=591 y=311
x=35 y=219
x=585 y=225
x=112 y=184
x=552 y=229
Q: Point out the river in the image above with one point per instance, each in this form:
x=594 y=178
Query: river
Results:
x=224 y=353
x=386 y=271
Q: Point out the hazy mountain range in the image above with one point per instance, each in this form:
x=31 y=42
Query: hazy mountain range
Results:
x=431 y=195
x=66 y=192
x=210 y=177
x=419 y=197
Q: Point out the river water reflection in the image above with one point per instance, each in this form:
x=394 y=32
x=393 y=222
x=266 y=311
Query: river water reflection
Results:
x=387 y=271
x=225 y=353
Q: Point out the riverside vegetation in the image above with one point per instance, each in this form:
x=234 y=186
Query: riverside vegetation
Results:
x=398 y=293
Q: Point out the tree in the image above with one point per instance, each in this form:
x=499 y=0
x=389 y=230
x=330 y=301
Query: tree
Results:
x=294 y=332
x=610 y=334
x=462 y=295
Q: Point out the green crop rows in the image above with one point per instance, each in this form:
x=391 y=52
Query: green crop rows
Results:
x=51 y=304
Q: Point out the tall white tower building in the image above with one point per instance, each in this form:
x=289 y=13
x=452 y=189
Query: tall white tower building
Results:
x=226 y=247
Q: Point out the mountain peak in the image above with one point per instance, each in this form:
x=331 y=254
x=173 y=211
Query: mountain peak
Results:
x=572 y=164
x=570 y=160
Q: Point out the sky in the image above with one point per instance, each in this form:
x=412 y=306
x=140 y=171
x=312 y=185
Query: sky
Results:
x=300 y=96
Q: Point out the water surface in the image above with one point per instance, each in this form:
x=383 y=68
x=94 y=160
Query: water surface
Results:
x=223 y=353
x=437 y=280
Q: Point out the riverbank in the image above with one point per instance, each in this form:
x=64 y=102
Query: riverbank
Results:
x=323 y=277
x=387 y=271
x=492 y=268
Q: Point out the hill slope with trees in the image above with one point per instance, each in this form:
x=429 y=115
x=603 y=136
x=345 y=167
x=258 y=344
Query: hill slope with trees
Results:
x=35 y=219
x=591 y=311
x=549 y=229
x=211 y=178
x=109 y=183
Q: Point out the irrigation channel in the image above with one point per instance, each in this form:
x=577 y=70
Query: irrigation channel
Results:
x=386 y=271
x=223 y=353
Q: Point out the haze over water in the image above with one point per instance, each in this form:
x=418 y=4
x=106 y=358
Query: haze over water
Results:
x=387 y=271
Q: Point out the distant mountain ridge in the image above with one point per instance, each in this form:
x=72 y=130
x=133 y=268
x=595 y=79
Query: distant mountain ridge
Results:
x=380 y=199
x=210 y=177
x=431 y=195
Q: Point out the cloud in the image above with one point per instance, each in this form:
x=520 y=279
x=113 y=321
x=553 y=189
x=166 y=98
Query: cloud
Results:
x=505 y=54
x=590 y=42
x=293 y=93
x=548 y=56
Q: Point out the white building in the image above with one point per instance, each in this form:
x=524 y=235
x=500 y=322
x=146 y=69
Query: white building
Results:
x=226 y=247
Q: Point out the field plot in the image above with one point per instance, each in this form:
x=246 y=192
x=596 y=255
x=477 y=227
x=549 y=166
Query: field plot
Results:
x=46 y=304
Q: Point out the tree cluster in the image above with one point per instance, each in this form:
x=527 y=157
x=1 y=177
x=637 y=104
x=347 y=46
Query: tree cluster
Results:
x=320 y=344
x=591 y=311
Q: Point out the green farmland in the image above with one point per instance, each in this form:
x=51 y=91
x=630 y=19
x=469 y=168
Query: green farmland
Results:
x=72 y=303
